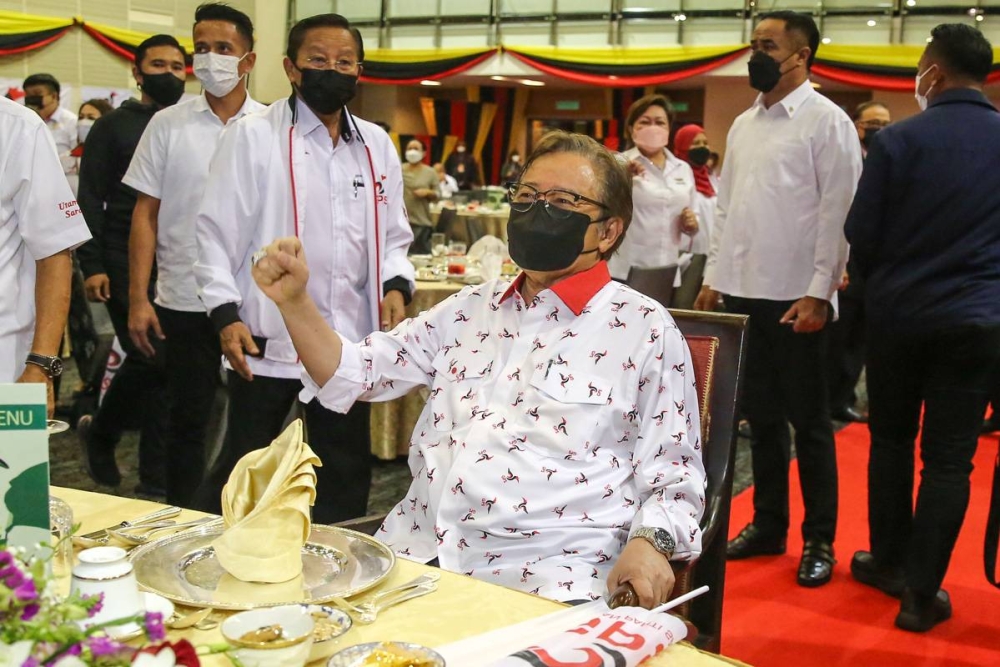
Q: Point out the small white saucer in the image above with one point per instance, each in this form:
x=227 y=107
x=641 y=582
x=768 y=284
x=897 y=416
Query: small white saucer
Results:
x=151 y=603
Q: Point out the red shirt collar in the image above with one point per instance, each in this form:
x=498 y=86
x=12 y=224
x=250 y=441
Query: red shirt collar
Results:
x=576 y=291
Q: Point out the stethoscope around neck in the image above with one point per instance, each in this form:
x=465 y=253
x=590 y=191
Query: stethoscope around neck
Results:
x=293 y=101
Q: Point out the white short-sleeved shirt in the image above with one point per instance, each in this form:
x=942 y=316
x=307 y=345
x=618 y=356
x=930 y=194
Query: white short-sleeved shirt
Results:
x=658 y=196
x=38 y=218
x=171 y=164
x=62 y=125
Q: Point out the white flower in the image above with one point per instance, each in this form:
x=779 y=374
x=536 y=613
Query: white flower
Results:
x=14 y=655
x=165 y=658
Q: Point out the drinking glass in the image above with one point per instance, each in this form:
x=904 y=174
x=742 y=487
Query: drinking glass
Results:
x=439 y=244
x=61 y=520
x=456 y=248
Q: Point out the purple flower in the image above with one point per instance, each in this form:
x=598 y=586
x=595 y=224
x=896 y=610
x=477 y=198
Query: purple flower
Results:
x=154 y=626
x=26 y=592
x=103 y=646
x=98 y=604
x=30 y=662
x=12 y=577
x=6 y=558
x=30 y=611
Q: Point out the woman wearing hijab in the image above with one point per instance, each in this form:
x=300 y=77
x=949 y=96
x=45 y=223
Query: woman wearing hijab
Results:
x=691 y=145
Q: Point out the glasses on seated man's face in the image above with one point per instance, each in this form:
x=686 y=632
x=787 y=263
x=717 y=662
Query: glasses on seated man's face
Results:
x=559 y=203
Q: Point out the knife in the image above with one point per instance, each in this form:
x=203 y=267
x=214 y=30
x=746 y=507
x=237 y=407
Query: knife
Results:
x=164 y=513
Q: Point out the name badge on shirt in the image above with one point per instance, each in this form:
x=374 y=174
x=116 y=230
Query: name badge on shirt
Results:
x=357 y=183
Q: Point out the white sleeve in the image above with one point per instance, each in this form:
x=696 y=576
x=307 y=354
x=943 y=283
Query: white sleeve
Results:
x=48 y=217
x=721 y=209
x=398 y=235
x=837 y=156
x=145 y=172
x=227 y=217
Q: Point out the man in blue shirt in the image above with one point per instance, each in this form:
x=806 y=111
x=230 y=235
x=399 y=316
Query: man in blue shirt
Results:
x=925 y=232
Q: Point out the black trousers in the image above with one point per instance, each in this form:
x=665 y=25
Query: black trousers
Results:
x=137 y=395
x=257 y=410
x=949 y=374
x=421 y=240
x=847 y=350
x=786 y=383
x=194 y=359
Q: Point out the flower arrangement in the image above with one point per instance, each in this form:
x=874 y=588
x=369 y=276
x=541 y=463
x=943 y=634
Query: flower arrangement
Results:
x=38 y=628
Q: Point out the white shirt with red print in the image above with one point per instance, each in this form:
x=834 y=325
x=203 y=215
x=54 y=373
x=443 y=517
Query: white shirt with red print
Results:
x=552 y=430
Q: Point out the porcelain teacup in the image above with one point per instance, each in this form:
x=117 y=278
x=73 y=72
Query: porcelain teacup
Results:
x=106 y=570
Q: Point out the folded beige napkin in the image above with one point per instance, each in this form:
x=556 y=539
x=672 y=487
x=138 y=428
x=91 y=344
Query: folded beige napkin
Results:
x=265 y=507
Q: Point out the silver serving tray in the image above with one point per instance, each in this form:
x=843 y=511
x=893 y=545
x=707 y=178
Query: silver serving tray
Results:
x=336 y=562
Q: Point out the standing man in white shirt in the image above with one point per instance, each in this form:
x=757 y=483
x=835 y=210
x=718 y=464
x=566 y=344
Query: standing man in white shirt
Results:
x=39 y=226
x=41 y=93
x=169 y=171
x=778 y=254
x=305 y=167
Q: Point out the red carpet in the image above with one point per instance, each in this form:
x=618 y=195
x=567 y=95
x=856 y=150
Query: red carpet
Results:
x=770 y=620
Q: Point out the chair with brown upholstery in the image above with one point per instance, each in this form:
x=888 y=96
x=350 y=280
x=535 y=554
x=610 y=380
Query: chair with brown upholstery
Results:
x=656 y=283
x=718 y=349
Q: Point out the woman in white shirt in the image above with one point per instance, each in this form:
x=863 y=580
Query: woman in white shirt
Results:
x=662 y=192
x=691 y=145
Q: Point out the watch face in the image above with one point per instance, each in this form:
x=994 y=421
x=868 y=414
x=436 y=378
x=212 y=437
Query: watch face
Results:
x=56 y=367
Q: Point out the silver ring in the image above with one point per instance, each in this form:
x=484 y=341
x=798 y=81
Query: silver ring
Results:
x=257 y=256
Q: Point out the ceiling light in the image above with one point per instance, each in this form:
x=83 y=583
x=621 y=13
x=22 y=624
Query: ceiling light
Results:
x=911 y=3
x=827 y=40
x=680 y=17
x=872 y=23
x=497 y=77
x=532 y=82
x=428 y=82
x=979 y=17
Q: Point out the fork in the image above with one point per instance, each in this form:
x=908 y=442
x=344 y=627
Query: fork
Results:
x=364 y=607
x=135 y=539
x=366 y=612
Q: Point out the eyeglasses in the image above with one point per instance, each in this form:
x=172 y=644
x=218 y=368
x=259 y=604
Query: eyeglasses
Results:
x=342 y=65
x=559 y=203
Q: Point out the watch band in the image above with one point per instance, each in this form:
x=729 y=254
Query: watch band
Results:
x=660 y=538
x=53 y=366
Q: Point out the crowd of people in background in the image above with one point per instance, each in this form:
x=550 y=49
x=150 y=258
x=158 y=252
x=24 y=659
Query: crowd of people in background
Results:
x=180 y=246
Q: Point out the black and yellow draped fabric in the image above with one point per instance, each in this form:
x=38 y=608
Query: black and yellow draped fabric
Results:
x=626 y=68
x=123 y=42
x=878 y=67
x=409 y=66
x=25 y=32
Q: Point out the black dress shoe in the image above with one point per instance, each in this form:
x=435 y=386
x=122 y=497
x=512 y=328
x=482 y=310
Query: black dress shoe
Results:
x=920 y=613
x=849 y=414
x=816 y=566
x=889 y=580
x=752 y=542
x=98 y=461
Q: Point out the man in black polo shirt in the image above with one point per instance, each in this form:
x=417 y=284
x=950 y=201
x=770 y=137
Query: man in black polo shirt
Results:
x=138 y=387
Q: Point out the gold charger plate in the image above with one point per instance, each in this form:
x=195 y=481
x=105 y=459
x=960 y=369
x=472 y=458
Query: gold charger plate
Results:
x=336 y=562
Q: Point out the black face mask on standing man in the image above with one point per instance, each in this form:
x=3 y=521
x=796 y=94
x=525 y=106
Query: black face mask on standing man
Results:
x=164 y=88
x=326 y=91
x=765 y=72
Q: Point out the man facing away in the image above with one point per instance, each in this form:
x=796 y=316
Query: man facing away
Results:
x=41 y=224
x=925 y=233
x=778 y=254
x=107 y=203
x=305 y=167
x=169 y=171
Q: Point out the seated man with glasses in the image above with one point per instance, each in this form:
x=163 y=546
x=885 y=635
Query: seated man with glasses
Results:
x=559 y=452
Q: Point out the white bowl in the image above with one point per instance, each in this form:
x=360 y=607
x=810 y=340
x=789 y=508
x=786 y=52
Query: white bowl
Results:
x=290 y=650
x=331 y=625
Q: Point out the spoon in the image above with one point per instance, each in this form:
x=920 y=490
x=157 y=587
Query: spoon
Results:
x=135 y=539
x=196 y=619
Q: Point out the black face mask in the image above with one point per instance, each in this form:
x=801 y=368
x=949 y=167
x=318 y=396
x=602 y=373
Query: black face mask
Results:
x=537 y=241
x=326 y=91
x=869 y=135
x=34 y=101
x=765 y=71
x=164 y=88
x=699 y=156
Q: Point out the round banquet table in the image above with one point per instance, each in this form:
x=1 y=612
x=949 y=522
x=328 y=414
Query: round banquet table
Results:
x=392 y=422
x=494 y=222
